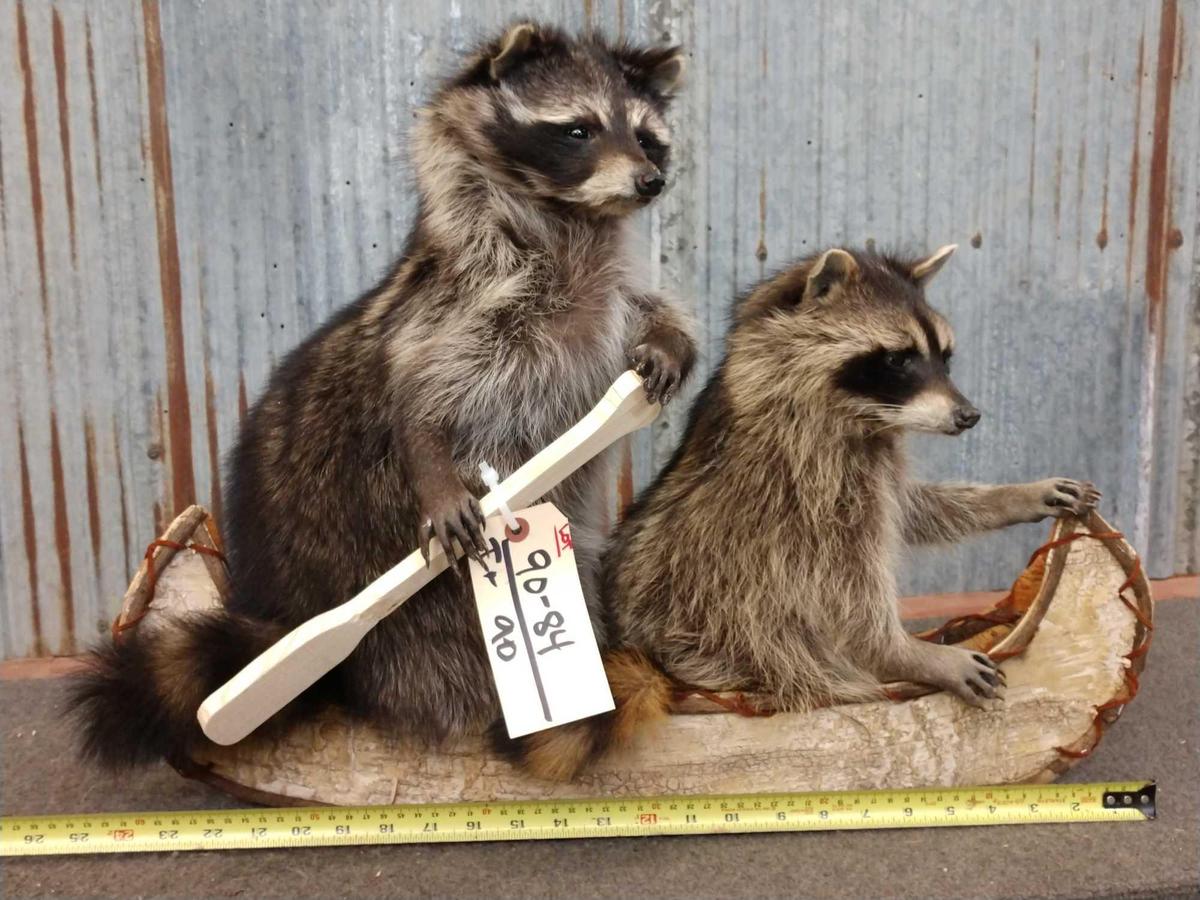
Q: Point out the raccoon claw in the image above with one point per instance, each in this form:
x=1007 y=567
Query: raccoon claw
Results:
x=424 y=539
x=971 y=676
x=984 y=682
x=662 y=374
x=458 y=520
x=1065 y=496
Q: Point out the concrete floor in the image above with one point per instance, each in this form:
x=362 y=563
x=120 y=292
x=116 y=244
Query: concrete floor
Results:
x=1157 y=738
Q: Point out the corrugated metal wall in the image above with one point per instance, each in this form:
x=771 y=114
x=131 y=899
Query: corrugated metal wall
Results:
x=188 y=188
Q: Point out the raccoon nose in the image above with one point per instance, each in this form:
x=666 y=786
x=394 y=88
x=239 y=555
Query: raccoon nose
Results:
x=649 y=184
x=965 y=417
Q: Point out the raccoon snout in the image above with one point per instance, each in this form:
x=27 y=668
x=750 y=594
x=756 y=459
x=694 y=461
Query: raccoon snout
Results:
x=965 y=417
x=649 y=184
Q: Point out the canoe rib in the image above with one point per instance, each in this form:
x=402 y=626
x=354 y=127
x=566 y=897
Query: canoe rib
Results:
x=1067 y=637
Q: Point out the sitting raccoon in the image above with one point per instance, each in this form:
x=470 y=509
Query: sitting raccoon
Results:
x=510 y=313
x=762 y=559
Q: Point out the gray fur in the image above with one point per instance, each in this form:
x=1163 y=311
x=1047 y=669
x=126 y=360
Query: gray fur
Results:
x=763 y=557
x=509 y=316
x=512 y=310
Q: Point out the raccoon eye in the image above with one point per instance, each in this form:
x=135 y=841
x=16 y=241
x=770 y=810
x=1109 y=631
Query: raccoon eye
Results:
x=946 y=358
x=578 y=132
x=897 y=360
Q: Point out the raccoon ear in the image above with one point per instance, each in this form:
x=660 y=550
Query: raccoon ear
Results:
x=836 y=268
x=514 y=46
x=923 y=271
x=658 y=70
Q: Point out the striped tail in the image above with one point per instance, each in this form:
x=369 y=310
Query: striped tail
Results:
x=135 y=701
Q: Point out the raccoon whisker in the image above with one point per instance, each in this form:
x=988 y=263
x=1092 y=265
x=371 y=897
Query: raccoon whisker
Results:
x=887 y=426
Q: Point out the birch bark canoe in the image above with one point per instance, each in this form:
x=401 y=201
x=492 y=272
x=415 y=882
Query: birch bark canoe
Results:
x=1072 y=649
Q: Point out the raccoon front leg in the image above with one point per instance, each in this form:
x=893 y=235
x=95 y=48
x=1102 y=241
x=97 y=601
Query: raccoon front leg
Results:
x=969 y=674
x=935 y=513
x=448 y=510
x=663 y=350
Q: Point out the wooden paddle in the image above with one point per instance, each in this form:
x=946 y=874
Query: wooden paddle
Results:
x=298 y=659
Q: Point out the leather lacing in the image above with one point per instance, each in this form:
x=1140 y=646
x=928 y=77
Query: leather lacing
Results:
x=152 y=577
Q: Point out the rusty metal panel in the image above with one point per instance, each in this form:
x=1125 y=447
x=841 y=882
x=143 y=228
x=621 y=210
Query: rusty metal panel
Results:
x=81 y=336
x=186 y=189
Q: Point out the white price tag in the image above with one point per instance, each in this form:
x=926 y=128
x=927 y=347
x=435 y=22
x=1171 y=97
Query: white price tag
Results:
x=536 y=627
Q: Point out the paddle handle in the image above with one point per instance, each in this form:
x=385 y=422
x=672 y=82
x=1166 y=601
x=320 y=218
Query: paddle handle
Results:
x=299 y=658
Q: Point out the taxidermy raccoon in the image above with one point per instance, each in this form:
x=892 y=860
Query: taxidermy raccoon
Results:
x=512 y=310
x=762 y=558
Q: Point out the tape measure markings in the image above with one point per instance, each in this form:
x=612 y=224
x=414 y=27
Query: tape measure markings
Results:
x=555 y=819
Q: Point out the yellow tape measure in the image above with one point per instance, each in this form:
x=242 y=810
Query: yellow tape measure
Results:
x=324 y=826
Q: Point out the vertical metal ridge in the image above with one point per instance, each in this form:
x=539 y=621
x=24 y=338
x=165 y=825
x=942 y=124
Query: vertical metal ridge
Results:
x=183 y=484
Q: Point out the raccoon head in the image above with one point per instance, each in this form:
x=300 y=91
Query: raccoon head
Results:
x=576 y=122
x=861 y=336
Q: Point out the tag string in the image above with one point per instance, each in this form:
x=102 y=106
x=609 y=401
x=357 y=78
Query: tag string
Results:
x=492 y=479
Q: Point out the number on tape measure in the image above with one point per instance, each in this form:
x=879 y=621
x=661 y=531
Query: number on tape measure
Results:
x=615 y=817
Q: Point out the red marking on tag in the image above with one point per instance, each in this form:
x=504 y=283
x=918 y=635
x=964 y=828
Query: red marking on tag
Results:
x=562 y=538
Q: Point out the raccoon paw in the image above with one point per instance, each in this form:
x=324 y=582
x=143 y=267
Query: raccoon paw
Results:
x=971 y=675
x=453 y=518
x=661 y=372
x=1060 y=497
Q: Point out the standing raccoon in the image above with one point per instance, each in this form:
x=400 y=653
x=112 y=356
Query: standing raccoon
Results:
x=763 y=557
x=510 y=313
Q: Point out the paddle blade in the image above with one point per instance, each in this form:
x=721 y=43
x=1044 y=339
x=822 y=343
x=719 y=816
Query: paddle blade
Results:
x=280 y=675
